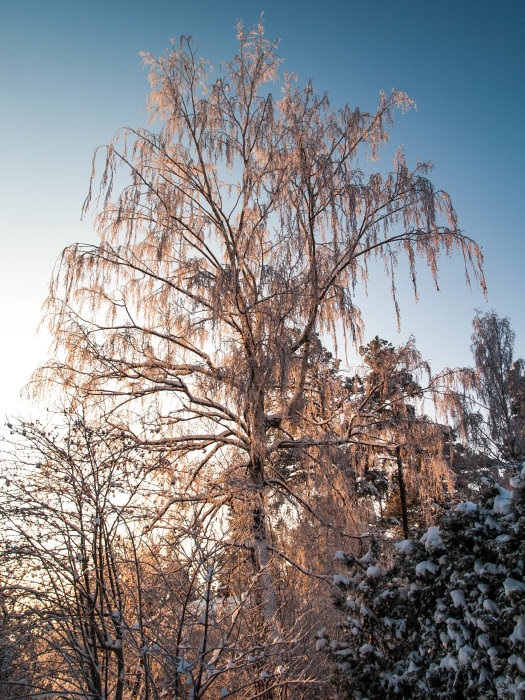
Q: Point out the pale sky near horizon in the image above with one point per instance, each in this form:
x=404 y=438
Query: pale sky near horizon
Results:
x=71 y=75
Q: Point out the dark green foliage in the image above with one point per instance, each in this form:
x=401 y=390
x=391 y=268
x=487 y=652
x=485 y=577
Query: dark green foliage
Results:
x=447 y=620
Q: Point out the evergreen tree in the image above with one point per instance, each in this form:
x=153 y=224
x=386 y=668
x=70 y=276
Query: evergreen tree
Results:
x=406 y=466
x=447 y=619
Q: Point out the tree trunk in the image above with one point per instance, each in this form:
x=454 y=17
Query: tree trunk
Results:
x=402 y=493
x=261 y=550
x=259 y=535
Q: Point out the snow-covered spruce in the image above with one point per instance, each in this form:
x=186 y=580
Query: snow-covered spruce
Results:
x=447 y=620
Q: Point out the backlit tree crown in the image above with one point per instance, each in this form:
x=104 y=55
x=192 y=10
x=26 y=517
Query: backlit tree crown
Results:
x=246 y=219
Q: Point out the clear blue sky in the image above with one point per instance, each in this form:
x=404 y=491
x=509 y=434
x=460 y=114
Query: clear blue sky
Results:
x=70 y=76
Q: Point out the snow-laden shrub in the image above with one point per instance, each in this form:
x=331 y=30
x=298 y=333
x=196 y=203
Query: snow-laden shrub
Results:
x=447 y=620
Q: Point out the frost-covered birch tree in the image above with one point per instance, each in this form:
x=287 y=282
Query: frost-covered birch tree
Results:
x=497 y=381
x=244 y=226
x=488 y=406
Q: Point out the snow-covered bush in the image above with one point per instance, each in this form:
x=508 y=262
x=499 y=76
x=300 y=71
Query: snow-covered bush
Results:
x=448 y=618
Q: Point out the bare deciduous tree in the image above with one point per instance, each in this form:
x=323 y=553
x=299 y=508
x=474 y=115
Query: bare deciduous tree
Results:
x=105 y=598
x=71 y=513
x=244 y=227
x=489 y=407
